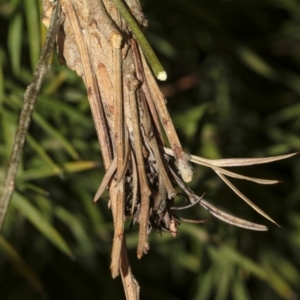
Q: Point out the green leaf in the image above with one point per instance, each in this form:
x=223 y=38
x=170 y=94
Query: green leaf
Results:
x=43 y=154
x=256 y=63
x=205 y=285
x=20 y=265
x=279 y=284
x=243 y=261
x=56 y=134
x=73 y=114
x=284 y=115
x=188 y=261
x=239 y=290
x=39 y=221
x=195 y=231
x=69 y=167
x=8 y=130
x=15 y=42
x=74 y=223
x=187 y=121
x=33 y=24
x=2 y=85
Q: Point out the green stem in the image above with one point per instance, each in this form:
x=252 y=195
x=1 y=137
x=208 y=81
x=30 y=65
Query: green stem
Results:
x=152 y=59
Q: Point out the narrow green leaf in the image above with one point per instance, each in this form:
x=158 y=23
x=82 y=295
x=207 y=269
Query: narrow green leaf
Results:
x=49 y=129
x=33 y=24
x=245 y=262
x=15 y=42
x=279 y=284
x=223 y=279
x=56 y=134
x=39 y=221
x=63 y=108
x=205 y=285
x=70 y=167
x=2 y=93
x=32 y=187
x=43 y=154
x=284 y=266
x=93 y=213
x=257 y=63
x=281 y=135
x=56 y=82
x=20 y=265
x=195 y=231
x=8 y=130
x=14 y=4
x=284 y=115
x=188 y=261
x=239 y=290
x=188 y=121
x=75 y=225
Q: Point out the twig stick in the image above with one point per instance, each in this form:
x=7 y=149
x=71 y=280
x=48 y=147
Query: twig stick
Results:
x=135 y=182
x=119 y=182
x=181 y=157
x=141 y=77
x=165 y=185
x=30 y=98
x=92 y=89
x=144 y=189
x=131 y=286
x=106 y=179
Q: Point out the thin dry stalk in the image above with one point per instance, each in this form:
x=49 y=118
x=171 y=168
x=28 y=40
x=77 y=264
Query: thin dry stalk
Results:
x=143 y=181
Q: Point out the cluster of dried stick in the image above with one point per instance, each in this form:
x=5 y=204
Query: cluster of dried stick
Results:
x=128 y=110
x=131 y=120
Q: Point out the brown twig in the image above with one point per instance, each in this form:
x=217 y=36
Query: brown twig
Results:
x=183 y=163
x=143 y=183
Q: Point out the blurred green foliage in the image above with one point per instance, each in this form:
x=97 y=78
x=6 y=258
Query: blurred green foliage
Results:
x=244 y=103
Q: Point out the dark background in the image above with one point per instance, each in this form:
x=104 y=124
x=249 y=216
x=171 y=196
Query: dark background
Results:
x=233 y=91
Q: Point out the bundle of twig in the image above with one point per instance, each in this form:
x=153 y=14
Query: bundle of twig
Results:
x=129 y=111
x=102 y=41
